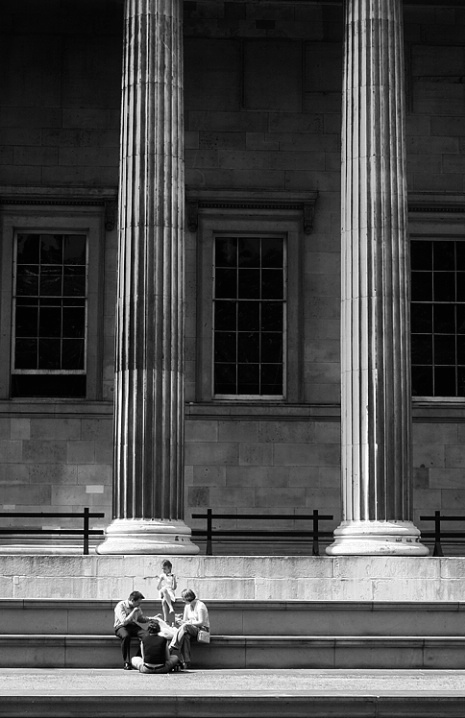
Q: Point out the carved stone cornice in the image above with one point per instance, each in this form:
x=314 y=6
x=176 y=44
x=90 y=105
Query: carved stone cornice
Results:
x=198 y=200
x=434 y=203
x=64 y=197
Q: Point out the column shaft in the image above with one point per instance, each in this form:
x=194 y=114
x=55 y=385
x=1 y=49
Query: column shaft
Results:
x=375 y=334
x=149 y=405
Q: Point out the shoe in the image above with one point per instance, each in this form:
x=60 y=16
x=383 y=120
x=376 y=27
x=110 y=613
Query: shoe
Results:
x=127 y=667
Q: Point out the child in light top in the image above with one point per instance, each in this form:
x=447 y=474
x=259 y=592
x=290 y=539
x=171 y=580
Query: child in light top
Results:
x=167 y=586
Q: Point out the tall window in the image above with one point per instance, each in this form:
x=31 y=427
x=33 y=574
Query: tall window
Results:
x=49 y=315
x=249 y=309
x=438 y=317
x=249 y=299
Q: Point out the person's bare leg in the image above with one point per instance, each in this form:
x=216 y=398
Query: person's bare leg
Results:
x=168 y=610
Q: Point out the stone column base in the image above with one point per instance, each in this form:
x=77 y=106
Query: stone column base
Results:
x=147 y=536
x=372 y=538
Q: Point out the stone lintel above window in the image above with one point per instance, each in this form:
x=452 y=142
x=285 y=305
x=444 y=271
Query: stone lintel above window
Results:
x=433 y=203
x=106 y=197
x=240 y=201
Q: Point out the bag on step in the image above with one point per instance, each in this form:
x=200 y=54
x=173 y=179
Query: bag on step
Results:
x=203 y=636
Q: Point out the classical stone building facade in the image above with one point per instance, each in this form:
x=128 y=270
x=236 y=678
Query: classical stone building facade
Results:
x=171 y=185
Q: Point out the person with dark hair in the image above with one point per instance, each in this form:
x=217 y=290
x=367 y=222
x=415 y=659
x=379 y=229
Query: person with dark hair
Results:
x=155 y=657
x=128 y=616
x=167 y=585
x=195 y=618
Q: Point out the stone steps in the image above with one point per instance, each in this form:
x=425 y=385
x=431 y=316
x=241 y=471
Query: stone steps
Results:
x=246 y=634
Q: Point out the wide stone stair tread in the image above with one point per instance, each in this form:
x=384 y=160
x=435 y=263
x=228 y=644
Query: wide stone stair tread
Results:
x=100 y=693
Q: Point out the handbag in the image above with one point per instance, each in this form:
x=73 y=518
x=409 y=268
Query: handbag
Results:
x=203 y=636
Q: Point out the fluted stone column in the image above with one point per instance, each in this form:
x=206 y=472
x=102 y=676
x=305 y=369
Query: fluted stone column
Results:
x=149 y=406
x=375 y=333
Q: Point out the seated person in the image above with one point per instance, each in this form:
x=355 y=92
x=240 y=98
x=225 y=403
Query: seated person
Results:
x=195 y=618
x=155 y=653
x=128 y=616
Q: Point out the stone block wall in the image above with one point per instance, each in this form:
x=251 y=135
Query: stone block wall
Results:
x=59 y=128
x=252 y=127
x=52 y=463
x=263 y=103
x=435 y=62
x=263 y=88
x=60 y=93
x=239 y=466
x=439 y=473
x=263 y=96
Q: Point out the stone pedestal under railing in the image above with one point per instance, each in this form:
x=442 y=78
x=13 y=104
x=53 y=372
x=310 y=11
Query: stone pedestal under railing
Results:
x=367 y=578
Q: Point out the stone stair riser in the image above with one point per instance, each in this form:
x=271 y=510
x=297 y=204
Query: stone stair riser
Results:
x=245 y=652
x=238 y=618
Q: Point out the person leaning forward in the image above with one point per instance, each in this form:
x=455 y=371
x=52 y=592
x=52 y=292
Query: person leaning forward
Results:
x=155 y=654
x=128 y=616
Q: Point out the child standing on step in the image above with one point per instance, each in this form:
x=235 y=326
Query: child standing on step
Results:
x=167 y=585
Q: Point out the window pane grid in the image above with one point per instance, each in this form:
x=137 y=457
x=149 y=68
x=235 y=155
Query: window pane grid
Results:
x=438 y=317
x=249 y=310
x=50 y=304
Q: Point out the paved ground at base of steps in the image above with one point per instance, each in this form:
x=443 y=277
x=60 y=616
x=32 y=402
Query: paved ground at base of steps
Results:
x=229 y=683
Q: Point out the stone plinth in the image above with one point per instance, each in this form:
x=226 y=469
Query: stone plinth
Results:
x=368 y=578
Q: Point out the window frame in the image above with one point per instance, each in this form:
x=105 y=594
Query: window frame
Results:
x=433 y=216
x=54 y=219
x=283 y=301
x=436 y=238
x=256 y=223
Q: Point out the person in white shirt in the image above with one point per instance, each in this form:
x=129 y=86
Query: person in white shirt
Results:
x=167 y=585
x=128 y=616
x=195 y=618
